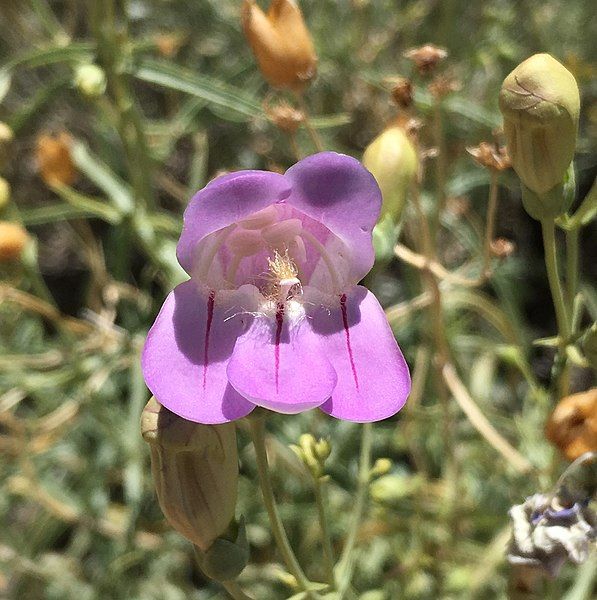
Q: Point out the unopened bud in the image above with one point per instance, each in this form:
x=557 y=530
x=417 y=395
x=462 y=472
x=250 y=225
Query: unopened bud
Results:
x=281 y=43
x=4 y=192
x=90 y=80
x=195 y=472
x=572 y=426
x=13 y=239
x=54 y=159
x=402 y=92
x=382 y=466
x=392 y=159
x=391 y=489
x=540 y=103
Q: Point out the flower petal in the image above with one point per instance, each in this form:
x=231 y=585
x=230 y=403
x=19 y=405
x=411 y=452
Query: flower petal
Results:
x=340 y=193
x=226 y=200
x=186 y=352
x=279 y=364
x=373 y=378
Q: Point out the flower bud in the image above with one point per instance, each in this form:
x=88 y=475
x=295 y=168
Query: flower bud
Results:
x=382 y=466
x=54 y=159
x=4 y=192
x=540 y=104
x=281 y=43
x=195 y=471
x=90 y=80
x=572 y=426
x=13 y=239
x=392 y=160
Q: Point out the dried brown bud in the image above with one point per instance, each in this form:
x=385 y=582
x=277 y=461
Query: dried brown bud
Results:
x=285 y=117
x=195 y=472
x=168 y=44
x=502 y=248
x=13 y=239
x=458 y=206
x=54 y=159
x=491 y=156
x=281 y=43
x=572 y=426
x=402 y=92
x=426 y=58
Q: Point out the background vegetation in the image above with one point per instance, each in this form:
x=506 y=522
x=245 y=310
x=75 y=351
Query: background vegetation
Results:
x=78 y=514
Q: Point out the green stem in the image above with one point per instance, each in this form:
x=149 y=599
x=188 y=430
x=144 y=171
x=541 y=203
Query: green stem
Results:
x=558 y=299
x=328 y=552
x=572 y=250
x=258 y=437
x=345 y=565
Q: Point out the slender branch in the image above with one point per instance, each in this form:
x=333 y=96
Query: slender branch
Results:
x=315 y=138
x=490 y=224
x=572 y=259
x=481 y=423
x=258 y=437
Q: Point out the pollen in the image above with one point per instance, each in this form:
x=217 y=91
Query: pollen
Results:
x=282 y=275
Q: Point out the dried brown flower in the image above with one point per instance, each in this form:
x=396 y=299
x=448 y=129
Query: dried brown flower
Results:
x=284 y=116
x=441 y=86
x=502 y=248
x=402 y=92
x=426 y=58
x=572 y=426
x=54 y=159
x=490 y=156
x=168 y=44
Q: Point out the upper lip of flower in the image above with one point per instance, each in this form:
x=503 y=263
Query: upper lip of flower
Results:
x=272 y=315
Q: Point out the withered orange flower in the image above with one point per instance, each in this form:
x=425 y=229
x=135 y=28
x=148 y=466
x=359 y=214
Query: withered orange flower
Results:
x=402 y=92
x=572 y=426
x=13 y=238
x=281 y=43
x=54 y=159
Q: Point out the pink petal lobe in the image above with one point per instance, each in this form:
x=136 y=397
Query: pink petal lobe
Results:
x=186 y=353
x=373 y=378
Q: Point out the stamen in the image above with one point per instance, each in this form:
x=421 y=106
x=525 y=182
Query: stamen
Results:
x=283 y=274
x=327 y=259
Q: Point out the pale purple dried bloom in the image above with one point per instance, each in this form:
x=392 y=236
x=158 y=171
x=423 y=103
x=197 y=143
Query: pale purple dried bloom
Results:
x=272 y=315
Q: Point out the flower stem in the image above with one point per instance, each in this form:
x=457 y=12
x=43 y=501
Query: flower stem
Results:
x=490 y=225
x=572 y=249
x=258 y=437
x=559 y=301
x=315 y=138
x=328 y=552
x=345 y=565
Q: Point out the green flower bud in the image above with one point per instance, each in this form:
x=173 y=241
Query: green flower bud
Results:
x=4 y=192
x=195 y=472
x=589 y=345
x=392 y=159
x=90 y=80
x=382 y=466
x=540 y=104
x=392 y=489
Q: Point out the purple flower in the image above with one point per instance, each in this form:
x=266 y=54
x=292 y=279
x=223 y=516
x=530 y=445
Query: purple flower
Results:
x=272 y=315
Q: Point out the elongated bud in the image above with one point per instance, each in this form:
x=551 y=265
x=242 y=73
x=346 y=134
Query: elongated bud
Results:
x=6 y=138
x=392 y=159
x=13 y=239
x=90 y=80
x=195 y=472
x=540 y=104
x=54 y=159
x=281 y=43
x=572 y=426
